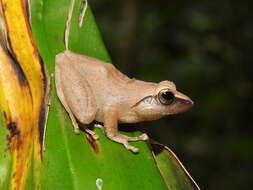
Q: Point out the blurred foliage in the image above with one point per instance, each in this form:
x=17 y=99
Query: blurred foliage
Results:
x=205 y=47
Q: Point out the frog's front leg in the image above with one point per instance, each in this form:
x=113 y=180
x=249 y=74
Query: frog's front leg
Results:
x=111 y=130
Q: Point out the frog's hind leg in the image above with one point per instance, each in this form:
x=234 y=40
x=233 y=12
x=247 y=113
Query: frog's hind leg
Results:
x=60 y=95
x=74 y=92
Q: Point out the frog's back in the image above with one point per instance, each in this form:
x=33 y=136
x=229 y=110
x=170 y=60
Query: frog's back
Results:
x=108 y=83
x=92 y=69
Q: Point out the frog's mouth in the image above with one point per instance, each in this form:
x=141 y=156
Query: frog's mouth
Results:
x=180 y=105
x=184 y=102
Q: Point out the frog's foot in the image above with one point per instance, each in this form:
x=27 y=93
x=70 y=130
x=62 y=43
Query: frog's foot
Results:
x=92 y=134
x=125 y=139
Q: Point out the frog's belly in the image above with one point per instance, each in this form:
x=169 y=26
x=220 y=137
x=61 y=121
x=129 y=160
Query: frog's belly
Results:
x=130 y=117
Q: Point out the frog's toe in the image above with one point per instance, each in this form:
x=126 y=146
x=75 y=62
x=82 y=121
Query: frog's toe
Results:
x=143 y=137
x=77 y=130
x=134 y=149
x=130 y=147
x=92 y=134
x=95 y=137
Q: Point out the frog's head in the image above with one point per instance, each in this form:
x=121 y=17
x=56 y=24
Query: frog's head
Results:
x=166 y=100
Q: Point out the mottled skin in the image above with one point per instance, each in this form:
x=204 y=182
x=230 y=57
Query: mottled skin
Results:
x=90 y=89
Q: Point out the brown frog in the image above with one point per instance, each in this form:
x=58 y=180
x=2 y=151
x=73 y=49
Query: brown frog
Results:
x=91 y=89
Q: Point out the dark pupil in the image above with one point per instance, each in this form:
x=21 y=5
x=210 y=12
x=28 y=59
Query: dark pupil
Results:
x=167 y=95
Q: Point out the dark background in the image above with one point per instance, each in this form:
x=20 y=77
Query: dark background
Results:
x=206 y=48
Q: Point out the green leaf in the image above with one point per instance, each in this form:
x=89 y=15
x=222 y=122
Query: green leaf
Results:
x=172 y=170
x=69 y=160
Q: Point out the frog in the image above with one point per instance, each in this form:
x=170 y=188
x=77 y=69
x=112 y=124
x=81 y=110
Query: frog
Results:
x=93 y=90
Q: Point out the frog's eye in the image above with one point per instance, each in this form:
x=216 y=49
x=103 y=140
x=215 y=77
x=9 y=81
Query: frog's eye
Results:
x=165 y=97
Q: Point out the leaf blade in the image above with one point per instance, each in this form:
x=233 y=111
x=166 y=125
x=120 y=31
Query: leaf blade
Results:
x=107 y=164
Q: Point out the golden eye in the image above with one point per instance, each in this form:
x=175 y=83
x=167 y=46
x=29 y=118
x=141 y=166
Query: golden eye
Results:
x=165 y=97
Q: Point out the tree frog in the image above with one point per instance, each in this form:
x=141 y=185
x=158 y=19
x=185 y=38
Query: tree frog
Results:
x=91 y=89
